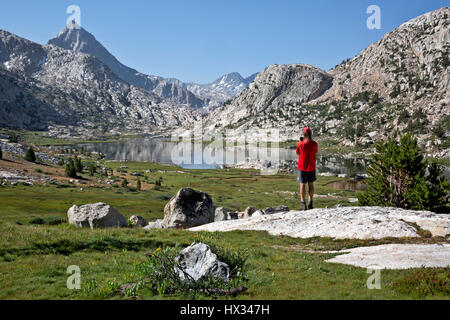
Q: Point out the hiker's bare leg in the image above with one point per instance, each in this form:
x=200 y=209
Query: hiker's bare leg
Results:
x=311 y=195
x=302 y=191
x=303 y=205
x=311 y=190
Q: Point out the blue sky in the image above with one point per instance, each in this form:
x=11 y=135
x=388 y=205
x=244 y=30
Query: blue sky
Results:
x=200 y=40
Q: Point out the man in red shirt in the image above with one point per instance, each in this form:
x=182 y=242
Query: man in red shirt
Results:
x=306 y=174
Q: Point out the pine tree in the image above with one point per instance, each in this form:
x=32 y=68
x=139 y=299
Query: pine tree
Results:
x=70 y=169
x=78 y=165
x=92 y=169
x=1 y=154
x=124 y=183
x=138 y=185
x=30 y=155
x=400 y=176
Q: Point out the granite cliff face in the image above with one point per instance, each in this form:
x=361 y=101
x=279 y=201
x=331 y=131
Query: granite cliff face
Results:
x=273 y=89
x=409 y=65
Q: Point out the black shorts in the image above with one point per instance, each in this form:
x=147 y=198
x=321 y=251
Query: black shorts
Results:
x=306 y=176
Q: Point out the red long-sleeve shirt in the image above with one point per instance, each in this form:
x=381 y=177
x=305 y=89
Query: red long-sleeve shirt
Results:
x=306 y=151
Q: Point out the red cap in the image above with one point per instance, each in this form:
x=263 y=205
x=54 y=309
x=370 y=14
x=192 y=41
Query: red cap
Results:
x=306 y=130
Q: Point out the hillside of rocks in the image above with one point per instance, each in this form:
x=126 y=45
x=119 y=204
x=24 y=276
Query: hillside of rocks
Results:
x=398 y=84
x=79 y=87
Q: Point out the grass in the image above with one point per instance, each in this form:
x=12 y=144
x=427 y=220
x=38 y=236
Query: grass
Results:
x=37 y=245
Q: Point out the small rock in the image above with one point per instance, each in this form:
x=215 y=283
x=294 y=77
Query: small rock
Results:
x=258 y=213
x=248 y=212
x=154 y=225
x=277 y=209
x=198 y=261
x=138 y=221
x=221 y=214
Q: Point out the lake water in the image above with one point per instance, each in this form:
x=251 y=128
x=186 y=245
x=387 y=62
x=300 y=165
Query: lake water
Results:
x=188 y=156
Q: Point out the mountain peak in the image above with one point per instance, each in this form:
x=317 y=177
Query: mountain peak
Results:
x=77 y=39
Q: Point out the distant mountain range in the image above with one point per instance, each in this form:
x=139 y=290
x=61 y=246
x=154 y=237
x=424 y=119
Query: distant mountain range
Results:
x=75 y=80
x=400 y=83
x=194 y=95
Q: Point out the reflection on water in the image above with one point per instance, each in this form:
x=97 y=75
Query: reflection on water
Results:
x=158 y=150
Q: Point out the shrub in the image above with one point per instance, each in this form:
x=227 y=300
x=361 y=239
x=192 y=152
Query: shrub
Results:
x=404 y=116
x=124 y=183
x=78 y=165
x=422 y=283
x=400 y=176
x=138 y=185
x=159 y=271
x=92 y=169
x=70 y=170
x=13 y=138
x=30 y=155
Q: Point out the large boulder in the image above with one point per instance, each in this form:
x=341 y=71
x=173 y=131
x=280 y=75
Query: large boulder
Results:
x=97 y=215
x=188 y=208
x=198 y=261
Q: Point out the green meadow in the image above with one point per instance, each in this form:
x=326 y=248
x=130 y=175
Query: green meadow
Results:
x=37 y=245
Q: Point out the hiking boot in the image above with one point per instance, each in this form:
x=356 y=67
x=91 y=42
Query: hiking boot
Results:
x=310 y=205
x=303 y=206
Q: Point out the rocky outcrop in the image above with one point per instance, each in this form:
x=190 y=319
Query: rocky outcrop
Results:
x=98 y=215
x=199 y=262
x=396 y=256
x=342 y=223
x=408 y=65
x=272 y=89
x=188 y=208
x=138 y=221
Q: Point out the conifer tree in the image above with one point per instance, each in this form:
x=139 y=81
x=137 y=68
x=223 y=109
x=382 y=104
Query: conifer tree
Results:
x=30 y=155
x=70 y=170
x=400 y=176
x=138 y=185
x=92 y=169
x=78 y=165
